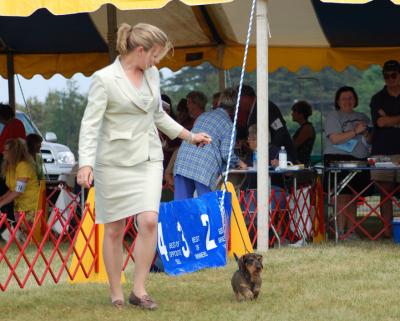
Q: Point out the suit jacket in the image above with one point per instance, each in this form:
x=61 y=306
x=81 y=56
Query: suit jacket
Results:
x=119 y=128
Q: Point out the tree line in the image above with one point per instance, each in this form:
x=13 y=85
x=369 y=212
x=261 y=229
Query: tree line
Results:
x=62 y=110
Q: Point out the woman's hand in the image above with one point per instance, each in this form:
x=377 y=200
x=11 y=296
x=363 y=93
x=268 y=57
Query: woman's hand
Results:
x=85 y=176
x=200 y=139
x=360 y=127
x=242 y=165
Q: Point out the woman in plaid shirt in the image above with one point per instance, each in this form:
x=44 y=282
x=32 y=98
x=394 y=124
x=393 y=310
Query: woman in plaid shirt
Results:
x=198 y=168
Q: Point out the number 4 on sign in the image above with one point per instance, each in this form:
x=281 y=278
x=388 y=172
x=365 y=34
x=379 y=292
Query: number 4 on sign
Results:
x=161 y=244
x=210 y=244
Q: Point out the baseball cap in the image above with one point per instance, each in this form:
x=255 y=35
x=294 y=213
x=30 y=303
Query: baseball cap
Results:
x=391 y=65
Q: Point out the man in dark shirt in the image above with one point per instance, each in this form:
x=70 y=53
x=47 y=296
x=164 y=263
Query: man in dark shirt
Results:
x=277 y=129
x=385 y=114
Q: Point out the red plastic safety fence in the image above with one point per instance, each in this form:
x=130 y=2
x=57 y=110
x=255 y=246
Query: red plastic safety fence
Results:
x=294 y=216
x=359 y=224
x=42 y=249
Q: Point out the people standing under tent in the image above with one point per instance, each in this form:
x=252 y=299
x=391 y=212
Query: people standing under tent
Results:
x=120 y=149
x=198 y=169
x=304 y=137
x=168 y=145
x=385 y=114
x=196 y=105
x=19 y=172
x=34 y=143
x=215 y=100
x=279 y=134
x=182 y=114
x=13 y=128
x=346 y=139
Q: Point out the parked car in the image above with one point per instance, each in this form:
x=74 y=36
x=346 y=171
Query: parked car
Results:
x=57 y=158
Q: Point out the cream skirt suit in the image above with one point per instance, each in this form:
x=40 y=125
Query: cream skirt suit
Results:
x=119 y=139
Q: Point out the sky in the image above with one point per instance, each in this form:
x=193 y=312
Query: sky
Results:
x=39 y=87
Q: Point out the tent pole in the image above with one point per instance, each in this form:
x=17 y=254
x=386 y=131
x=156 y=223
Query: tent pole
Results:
x=262 y=128
x=10 y=77
x=112 y=31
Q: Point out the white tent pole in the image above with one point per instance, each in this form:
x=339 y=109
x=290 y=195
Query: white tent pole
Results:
x=262 y=127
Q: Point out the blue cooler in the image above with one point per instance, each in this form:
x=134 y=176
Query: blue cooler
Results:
x=396 y=230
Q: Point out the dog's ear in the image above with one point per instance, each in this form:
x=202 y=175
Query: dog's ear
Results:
x=241 y=263
x=259 y=258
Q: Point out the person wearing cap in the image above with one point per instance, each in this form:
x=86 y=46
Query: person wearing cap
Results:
x=385 y=114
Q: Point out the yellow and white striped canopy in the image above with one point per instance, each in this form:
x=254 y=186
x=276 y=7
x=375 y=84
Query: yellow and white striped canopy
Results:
x=311 y=33
x=62 y=7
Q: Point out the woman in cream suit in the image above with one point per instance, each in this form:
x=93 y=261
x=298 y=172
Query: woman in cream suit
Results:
x=120 y=148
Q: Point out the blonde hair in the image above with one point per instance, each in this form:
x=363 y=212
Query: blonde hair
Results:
x=18 y=152
x=142 y=34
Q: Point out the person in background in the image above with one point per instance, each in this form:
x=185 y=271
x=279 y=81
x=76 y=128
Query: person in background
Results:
x=279 y=134
x=251 y=179
x=347 y=140
x=304 y=137
x=120 y=151
x=13 y=127
x=248 y=100
x=199 y=168
x=19 y=172
x=385 y=114
x=168 y=145
x=196 y=103
x=34 y=143
x=215 y=100
x=182 y=114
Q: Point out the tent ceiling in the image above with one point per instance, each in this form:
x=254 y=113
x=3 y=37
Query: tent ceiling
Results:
x=303 y=33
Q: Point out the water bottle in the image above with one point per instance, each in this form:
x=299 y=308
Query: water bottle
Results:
x=282 y=158
x=255 y=159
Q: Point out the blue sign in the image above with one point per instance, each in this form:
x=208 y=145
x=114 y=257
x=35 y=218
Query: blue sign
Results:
x=191 y=233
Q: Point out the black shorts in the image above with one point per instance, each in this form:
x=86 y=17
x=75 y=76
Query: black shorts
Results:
x=358 y=182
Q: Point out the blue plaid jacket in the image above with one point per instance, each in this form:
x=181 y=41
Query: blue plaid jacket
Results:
x=205 y=164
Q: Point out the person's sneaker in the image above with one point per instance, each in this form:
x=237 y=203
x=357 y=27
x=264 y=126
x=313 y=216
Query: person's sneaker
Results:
x=145 y=302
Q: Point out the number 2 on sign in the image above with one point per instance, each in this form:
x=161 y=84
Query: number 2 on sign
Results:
x=210 y=244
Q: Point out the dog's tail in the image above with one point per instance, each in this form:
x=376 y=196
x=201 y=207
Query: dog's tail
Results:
x=236 y=257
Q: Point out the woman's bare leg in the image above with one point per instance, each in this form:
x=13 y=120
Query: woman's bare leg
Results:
x=112 y=252
x=145 y=247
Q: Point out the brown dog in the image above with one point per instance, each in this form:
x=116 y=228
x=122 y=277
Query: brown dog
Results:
x=246 y=282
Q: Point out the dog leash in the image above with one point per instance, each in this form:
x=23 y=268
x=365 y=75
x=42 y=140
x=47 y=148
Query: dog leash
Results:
x=214 y=149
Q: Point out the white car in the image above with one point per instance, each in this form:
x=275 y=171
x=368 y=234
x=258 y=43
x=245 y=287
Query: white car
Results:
x=57 y=158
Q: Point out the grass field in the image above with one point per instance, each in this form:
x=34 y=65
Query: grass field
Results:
x=351 y=281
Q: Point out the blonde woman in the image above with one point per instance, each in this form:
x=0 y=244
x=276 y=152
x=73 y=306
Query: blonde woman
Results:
x=120 y=149
x=19 y=171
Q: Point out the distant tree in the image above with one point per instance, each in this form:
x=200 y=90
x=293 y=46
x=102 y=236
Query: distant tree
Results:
x=64 y=113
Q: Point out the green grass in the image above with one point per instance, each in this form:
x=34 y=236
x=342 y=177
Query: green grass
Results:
x=351 y=281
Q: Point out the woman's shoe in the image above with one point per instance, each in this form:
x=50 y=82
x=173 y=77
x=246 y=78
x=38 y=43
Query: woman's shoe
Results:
x=145 y=302
x=118 y=304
